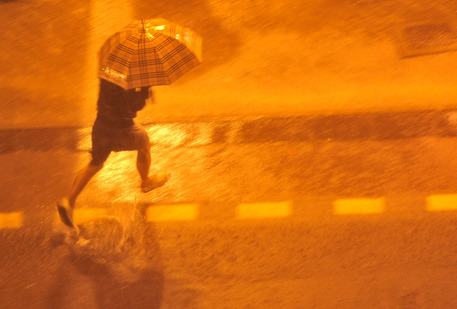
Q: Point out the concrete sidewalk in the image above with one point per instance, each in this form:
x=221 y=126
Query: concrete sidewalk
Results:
x=260 y=59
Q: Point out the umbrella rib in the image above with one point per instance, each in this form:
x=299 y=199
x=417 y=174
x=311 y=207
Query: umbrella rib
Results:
x=180 y=63
x=164 y=43
x=173 y=53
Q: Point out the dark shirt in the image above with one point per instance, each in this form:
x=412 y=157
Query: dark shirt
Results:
x=117 y=107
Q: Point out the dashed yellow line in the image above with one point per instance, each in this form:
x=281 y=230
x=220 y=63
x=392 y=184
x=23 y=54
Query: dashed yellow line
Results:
x=82 y=215
x=359 y=206
x=11 y=220
x=177 y=212
x=442 y=202
x=263 y=210
x=189 y=212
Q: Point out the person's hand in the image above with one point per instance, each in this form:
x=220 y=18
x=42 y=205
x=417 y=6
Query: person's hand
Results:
x=146 y=93
x=151 y=96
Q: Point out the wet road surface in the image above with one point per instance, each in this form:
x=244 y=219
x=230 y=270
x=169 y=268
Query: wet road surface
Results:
x=251 y=220
x=318 y=211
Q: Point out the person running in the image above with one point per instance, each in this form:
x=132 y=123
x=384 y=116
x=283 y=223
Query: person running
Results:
x=114 y=129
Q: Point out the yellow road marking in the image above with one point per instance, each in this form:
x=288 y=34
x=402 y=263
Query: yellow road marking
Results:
x=263 y=210
x=358 y=206
x=85 y=214
x=442 y=202
x=11 y=220
x=181 y=212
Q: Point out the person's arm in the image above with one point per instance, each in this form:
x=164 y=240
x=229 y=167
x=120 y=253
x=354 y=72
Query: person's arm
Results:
x=137 y=97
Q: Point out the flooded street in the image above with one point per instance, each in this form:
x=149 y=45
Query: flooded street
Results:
x=312 y=157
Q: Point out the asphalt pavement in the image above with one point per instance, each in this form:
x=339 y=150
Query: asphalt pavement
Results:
x=243 y=222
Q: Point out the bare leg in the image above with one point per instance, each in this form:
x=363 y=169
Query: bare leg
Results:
x=143 y=162
x=81 y=180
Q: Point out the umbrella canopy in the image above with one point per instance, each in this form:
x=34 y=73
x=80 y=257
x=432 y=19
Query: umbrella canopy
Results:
x=149 y=53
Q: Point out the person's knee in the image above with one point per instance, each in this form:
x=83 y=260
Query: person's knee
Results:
x=99 y=157
x=146 y=149
x=147 y=144
x=144 y=152
x=96 y=164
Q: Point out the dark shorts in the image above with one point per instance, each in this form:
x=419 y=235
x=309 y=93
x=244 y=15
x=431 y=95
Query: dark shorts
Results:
x=106 y=139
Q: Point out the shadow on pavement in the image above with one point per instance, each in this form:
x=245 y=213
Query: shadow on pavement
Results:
x=106 y=275
x=107 y=289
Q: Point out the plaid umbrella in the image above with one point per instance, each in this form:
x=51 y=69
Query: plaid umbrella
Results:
x=149 y=53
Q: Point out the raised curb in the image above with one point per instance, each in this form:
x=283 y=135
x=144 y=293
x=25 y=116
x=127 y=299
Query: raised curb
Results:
x=262 y=129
